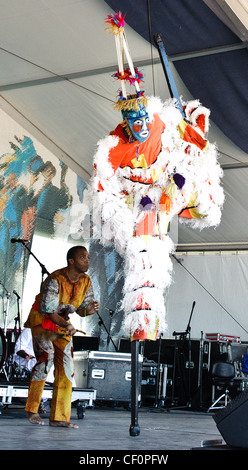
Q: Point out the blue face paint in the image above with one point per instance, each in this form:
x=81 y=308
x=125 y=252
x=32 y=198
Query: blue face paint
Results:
x=139 y=123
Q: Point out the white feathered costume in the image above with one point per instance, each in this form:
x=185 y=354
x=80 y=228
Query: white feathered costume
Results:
x=133 y=204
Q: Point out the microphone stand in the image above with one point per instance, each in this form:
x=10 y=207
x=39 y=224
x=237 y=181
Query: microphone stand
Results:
x=43 y=268
x=17 y=318
x=101 y=322
x=157 y=395
x=188 y=330
x=200 y=369
x=183 y=335
x=6 y=312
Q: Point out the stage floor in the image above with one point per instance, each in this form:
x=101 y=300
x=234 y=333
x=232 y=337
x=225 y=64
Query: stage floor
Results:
x=105 y=428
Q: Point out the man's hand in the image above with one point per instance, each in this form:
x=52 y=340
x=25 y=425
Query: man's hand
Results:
x=60 y=321
x=92 y=307
x=29 y=356
x=25 y=355
x=70 y=330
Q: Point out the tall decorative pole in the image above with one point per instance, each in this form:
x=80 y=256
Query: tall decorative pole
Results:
x=168 y=74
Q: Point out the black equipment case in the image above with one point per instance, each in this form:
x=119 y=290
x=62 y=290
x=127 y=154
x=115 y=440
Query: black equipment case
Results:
x=109 y=373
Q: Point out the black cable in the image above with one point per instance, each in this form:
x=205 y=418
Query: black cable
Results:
x=209 y=293
x=55 y=74
x=150 y=38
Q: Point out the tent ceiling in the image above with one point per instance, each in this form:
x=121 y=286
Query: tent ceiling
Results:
x=234 y=13
x=55 y=80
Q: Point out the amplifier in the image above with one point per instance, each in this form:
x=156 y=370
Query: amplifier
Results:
x=110 y=375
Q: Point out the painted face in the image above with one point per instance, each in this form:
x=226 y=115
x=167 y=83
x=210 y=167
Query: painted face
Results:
x=139 y=123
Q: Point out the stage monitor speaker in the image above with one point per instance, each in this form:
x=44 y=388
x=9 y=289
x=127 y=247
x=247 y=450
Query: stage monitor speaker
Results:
x=125 y=346
x=85 y=343
x=232 y=422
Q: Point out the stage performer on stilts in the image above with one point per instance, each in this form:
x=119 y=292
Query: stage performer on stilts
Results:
x=63 y=292
x=154 y=166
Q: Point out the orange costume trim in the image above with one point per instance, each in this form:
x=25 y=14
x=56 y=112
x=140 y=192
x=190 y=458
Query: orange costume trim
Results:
x=124 y=155
x=189 y=134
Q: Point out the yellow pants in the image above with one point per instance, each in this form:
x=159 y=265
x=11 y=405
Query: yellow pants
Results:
x=51 y=350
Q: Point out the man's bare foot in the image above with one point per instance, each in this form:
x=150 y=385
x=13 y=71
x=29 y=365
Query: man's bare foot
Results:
x=34 y=418
x=63 y=424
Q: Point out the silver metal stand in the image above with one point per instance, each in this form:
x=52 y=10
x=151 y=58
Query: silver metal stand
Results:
x=6 y=312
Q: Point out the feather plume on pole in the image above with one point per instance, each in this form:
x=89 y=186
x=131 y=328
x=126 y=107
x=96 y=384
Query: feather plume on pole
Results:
x=116 y=24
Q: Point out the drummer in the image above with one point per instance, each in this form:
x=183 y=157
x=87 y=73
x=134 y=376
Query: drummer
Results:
x=24 y=356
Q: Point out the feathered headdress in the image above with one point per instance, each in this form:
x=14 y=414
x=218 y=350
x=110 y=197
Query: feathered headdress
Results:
x=129 y=75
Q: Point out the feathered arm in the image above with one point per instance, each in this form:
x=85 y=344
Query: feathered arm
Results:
x=111 y=214
x=207 y=197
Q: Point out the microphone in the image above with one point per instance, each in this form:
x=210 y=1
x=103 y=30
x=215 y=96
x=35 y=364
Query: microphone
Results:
x=17 y=295
x=18 y=240
x=8 y=293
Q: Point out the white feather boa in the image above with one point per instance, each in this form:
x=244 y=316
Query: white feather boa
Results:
x=114 y=220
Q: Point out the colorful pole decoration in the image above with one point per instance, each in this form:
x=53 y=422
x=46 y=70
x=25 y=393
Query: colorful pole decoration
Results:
x=156 y=165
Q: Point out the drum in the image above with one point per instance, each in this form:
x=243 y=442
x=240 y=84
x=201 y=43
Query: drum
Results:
x=3 y=349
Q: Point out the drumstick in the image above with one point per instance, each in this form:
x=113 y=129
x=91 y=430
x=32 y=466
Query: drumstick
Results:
x=52 y=335
x=80 y=331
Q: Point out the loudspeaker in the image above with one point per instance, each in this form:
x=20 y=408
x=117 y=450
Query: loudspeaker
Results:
x=232 y=422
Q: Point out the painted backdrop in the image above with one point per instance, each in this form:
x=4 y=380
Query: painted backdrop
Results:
x=46 y=203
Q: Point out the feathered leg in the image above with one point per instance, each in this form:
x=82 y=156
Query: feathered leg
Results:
x=147 y=274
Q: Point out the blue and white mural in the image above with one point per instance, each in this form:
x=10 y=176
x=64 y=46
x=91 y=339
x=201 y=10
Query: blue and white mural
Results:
x=41 y=197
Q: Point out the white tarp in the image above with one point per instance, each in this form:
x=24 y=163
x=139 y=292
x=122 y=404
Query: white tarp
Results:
x=217 y=282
